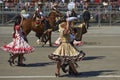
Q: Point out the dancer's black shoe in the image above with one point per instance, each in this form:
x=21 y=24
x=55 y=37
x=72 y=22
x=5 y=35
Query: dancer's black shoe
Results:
x=63 y=66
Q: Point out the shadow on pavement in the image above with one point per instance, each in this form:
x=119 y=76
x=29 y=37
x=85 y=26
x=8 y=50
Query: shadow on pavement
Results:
x=89 y=74
x=93 y=57
x=92 y=43
x=39 y=64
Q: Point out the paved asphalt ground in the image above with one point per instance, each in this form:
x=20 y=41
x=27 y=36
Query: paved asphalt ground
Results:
x=102 y=61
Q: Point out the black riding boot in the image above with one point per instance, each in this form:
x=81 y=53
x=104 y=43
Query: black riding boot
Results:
x=46 y=24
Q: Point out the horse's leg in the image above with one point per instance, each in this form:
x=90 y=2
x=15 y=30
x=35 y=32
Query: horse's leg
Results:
x=49 y=38
x=38 y=36
x=44 y=38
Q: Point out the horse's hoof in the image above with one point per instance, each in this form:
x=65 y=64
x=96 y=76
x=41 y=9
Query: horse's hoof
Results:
x=38 y=41
x=47 y=43
x=43 y=45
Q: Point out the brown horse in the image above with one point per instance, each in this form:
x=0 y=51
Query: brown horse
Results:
x=53 y=18
x=28 y=25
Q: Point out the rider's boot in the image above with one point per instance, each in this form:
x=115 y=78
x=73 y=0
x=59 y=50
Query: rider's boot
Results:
x=46 y=25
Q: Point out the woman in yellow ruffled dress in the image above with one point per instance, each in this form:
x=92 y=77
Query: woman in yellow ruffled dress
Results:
x=66 y=52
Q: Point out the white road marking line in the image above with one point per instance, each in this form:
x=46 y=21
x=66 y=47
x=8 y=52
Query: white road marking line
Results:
x=100 y=46
x=27 y=76
x=109 y=76
x=102 y=76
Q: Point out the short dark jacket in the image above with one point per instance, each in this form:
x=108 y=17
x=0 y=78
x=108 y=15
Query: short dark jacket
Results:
x=86 y=15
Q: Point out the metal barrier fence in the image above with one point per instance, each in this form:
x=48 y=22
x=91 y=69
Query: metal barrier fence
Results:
x=99 y=15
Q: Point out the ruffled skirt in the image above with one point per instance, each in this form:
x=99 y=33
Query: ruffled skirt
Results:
x=66 y=52
x=18 y=46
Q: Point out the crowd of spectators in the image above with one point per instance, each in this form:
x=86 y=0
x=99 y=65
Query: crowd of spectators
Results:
x=92 y=5
x=13 y=5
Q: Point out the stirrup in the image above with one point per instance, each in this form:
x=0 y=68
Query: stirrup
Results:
x=36 y=25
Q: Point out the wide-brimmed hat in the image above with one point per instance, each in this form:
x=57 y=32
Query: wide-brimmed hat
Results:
x=55 y=4
x=105 y=3
x=71 y=6
x=62 y=26
x=39 y=3
x=71 y=18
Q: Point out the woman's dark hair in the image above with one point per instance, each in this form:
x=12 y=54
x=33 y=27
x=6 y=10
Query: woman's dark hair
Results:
x=75 y=30
x=73 y=13
x=17 y=20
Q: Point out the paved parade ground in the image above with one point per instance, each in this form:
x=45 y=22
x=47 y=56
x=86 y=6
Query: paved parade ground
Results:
x=102 y=61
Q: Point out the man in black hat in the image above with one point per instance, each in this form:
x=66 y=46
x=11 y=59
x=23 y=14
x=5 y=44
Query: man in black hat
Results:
x=86 y=17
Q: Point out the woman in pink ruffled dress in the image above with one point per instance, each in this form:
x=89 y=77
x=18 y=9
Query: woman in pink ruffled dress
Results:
x=18 y=47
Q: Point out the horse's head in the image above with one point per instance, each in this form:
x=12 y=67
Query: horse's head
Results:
x=55 y=16
x=55 y=13
x=58 y=13
x=36 y=15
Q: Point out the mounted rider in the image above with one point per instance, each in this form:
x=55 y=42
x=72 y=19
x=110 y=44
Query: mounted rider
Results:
x=55 y=8
x=71 y=14
x=69 y=17
x=24 y=13
x=41 y=16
